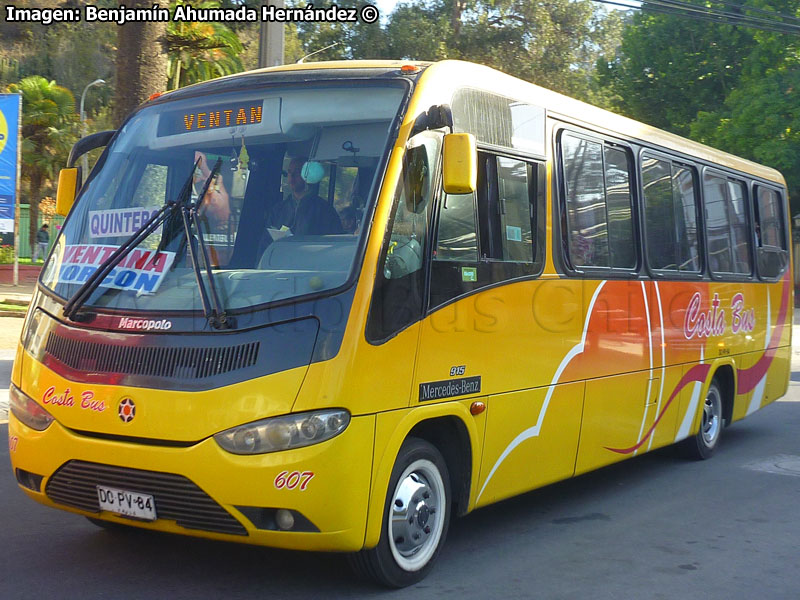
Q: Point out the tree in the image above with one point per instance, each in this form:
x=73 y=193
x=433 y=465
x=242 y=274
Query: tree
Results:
x=48 y=131
x=732 y=88
x=668 y=68
x=141 y=63
x=554 y=43
x=760 y=118
x=201 y=51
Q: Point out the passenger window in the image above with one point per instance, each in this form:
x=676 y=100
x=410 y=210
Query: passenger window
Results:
x=515 y=208
x=687 y=231
x=772 y=249
x=769 y=218
x=618 y=205
x=727 y=225
x=499 y=241
x=599 y=223
x=671 y=216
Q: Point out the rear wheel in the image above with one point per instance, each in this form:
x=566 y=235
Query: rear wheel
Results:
x=415 y=518
x=703 y=445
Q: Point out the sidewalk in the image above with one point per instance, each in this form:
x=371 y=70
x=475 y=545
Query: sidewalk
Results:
x=23 y=291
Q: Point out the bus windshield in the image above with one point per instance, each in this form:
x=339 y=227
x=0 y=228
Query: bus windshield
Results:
x=286 y=177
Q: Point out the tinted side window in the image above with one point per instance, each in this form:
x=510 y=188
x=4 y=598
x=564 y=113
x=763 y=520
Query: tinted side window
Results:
x=727 y=226
x=683 y=186
x=740 y=229
x=586 y=211
x=769 y=218
x=659 y=214
x=671 y=215
x=457 y=238
x=717 y=224
x=598 y=204
x=503 y=243
x=772 y=248
x=618 y=206
x=515 y=210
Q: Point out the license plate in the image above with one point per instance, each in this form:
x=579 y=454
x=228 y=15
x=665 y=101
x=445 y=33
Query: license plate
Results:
x=127 y=504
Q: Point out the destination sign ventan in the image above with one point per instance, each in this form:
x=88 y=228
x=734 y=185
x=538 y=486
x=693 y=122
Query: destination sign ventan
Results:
x=213 y=117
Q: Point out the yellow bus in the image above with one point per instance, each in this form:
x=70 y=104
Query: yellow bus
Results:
x=330 y=306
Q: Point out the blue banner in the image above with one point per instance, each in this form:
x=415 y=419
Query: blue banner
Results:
x=9 y=128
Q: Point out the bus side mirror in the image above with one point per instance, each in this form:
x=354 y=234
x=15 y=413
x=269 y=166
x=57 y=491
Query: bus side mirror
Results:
x=460 y=163
x=87 y=144
x=67 y=189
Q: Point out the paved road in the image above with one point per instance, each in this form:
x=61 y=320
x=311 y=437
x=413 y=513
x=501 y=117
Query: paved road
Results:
x=653 y=527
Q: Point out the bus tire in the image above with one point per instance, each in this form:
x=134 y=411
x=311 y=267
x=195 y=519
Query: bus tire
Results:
x=416 y=518
x=703 y=445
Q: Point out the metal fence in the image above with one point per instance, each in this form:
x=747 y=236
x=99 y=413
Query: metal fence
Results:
x=25 y=250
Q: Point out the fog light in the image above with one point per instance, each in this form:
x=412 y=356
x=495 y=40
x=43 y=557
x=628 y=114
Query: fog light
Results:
x=284 y=519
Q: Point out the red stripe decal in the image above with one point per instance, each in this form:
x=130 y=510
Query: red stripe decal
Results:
x=749 y=378
x=696 y=373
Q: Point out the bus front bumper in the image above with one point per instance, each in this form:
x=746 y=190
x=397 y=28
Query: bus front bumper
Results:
x=202 y=490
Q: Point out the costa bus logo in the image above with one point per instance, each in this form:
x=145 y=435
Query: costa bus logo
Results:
x=713 y=322
x=128 y=323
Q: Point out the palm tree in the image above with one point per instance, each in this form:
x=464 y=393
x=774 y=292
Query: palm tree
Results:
x=48 y=131
x=141 y=63
x=201 y=51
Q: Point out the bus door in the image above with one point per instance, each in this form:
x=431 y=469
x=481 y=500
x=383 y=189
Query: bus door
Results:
x=481 y=339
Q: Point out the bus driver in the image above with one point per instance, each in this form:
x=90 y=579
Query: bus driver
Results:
x=302 y=211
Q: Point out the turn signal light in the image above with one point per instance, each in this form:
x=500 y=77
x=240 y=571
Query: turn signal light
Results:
x=477 y=408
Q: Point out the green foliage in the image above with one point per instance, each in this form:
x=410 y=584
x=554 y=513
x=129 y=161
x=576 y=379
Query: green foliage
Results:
x=201 y=51
x=668 y=68
x=760 y=120
x=732 y=88
x=553 y=43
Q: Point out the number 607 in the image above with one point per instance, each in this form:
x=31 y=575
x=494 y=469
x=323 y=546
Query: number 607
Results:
x=295 y=479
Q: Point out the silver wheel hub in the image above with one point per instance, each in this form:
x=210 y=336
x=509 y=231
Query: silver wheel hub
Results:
x=416 y=515
x=712 y=417
x=414 y=506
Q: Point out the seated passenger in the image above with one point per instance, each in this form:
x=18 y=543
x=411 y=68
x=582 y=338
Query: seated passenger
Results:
x=302 y=211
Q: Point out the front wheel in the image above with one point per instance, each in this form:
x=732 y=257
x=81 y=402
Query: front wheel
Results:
x=415 y=518
x=703 y=445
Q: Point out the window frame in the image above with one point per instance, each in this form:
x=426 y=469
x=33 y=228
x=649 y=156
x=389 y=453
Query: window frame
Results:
x=561 y=212
x=647 y=152
x=745 y=183
x=494 y=272
x=785 y=230
x=380 y=281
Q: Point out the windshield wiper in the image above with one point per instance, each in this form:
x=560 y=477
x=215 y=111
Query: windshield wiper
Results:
x=93 y=282
x=216 y=315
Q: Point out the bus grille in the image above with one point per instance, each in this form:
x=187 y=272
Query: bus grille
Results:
x=176 y=498
x=174 y=362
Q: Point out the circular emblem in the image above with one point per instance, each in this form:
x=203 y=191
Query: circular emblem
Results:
x=126 y=410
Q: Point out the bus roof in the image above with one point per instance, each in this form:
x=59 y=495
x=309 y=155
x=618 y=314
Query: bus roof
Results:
x=458 y=73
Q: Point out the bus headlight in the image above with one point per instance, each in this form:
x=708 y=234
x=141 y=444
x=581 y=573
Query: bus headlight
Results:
x=283 y=433
x=27 y=410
